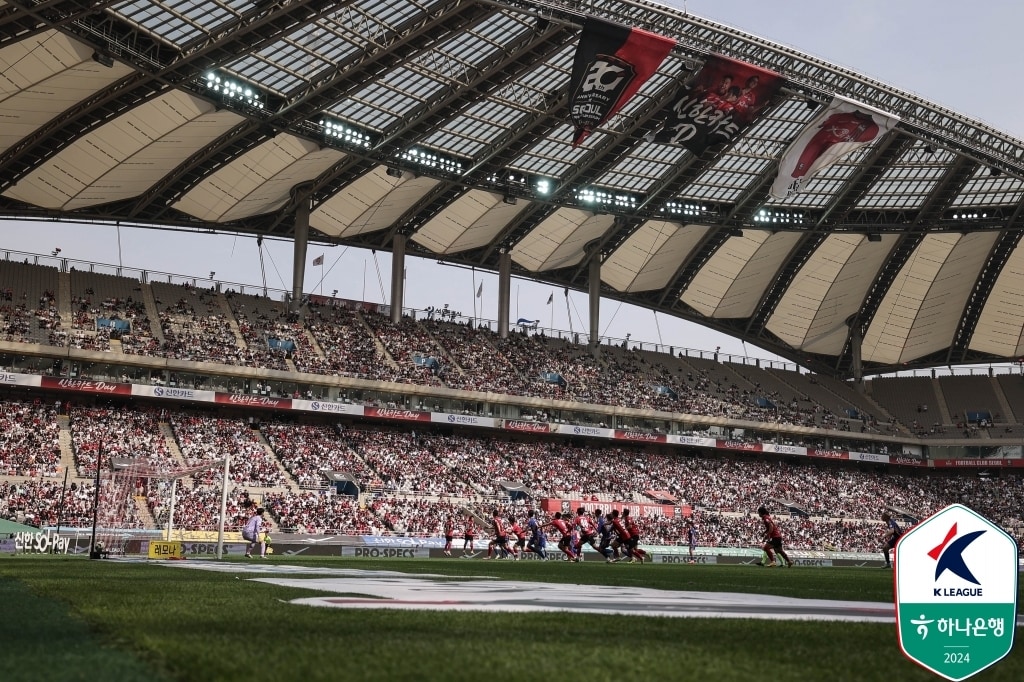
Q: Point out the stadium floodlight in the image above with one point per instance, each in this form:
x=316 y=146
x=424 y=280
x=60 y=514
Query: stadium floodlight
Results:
x=543 y=186
x=344 y=134
x=235 y=92
x=433 y=160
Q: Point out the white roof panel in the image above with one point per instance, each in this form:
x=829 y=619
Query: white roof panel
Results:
x=649 y=258
x=43 y=76
x=372 y=202
x=559 y=240
x=258 y=181
x=471 y=221
x=127 y=156
x=1000 y=328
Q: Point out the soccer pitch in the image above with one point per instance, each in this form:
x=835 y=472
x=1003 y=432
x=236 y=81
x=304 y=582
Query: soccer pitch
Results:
x=69 y=618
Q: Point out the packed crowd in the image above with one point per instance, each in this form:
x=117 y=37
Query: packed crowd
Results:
x=29 y=439
x=205 y=439
x=130 y=434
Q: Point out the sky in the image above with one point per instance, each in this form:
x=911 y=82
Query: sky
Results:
x=948 y=53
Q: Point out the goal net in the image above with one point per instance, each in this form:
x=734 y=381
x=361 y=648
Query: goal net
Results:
x=123 y=520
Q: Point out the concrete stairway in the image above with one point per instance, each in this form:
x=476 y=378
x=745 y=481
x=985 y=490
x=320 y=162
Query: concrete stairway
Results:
x=152 y=312
x=67 y=449
x=64 y=299
x=145 y=515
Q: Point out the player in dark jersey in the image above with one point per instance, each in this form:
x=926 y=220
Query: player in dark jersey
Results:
x=892 y=534
x=634 y=536
x=537 y=542
x=449 y=533
x=691 y=540
x=604 y=532
x=499 y=543
x=565 y=542
x=772 y=539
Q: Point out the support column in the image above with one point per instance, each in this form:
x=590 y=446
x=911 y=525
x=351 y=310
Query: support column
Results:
x=397 y=277
x=299 y=262
x=504 y=292
x=855 y=344
x=594 y=282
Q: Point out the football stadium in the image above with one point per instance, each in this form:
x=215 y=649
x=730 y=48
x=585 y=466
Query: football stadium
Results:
x=204 y=479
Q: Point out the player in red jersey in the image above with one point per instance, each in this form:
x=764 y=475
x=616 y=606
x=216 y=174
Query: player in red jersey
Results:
x=565 y=542
x=634 y=536
x=468 y=536
x=772 y=539
x=449 y=533
x=622 y=540
x=500 y=540
x=516 y=531
x=586 y=531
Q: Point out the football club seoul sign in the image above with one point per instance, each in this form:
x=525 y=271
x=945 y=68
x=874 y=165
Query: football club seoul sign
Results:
x=956 y=593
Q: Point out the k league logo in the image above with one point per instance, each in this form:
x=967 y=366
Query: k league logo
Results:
x=956 y=593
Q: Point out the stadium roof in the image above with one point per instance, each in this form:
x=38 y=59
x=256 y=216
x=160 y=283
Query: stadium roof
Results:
x=448 y=122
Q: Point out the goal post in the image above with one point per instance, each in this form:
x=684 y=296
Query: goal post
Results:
x=120 y=524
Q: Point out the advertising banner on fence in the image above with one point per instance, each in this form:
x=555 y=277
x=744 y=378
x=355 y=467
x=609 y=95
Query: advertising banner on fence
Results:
x=325 y=407
x=782 y=449
x=246 y=400
x=640 y=436
x=463 y=419
x=173 y=393
x=86 y=386
x=697 y=441
x=394 y=413
x=528 y=426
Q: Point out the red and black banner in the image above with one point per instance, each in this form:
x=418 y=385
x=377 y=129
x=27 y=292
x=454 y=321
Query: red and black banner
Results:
x=612 y=62
x=718 y=104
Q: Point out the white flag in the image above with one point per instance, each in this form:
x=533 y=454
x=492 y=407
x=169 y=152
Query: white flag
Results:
x=842 y=128
x=319 y=260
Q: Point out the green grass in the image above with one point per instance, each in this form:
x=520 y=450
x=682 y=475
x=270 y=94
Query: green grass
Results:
x=127 y=621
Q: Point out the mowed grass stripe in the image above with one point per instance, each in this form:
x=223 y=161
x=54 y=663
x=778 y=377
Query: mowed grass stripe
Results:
x=201 y=625
x=42 y=640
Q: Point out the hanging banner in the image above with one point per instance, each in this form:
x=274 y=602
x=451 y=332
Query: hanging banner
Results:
x=718 y=104
x=612 y=62
x=842 y=128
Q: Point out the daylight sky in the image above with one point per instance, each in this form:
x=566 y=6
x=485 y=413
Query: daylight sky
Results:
x=956 y=55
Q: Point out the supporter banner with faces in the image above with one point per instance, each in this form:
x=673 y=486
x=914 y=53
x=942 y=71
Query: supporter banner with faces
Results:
x=612 y=62
x=842 y=128
x=717 y=104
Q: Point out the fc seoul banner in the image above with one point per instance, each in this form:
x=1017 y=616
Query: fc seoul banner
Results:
x=842 y=128
x=612 y=62
x=718 y=104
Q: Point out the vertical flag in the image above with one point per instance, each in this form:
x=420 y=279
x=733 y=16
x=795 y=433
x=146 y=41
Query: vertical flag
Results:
x=480 y=290
x=842 y=128
x=718 y=104
x=612 y=61
x=319 y=260
x=551 y=298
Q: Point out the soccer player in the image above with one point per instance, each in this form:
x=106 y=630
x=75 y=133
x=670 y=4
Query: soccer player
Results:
x=621 y=537
x=604 y=531
x=449 y=533
x=517 y=532
x=565 y=542
x=772 y=539
x=538 y=543
x=253 y=533
x=586 y=530
x=500 y=540
x=634 y=536
x=468 y=536
x=892 y=534
x=691 y=539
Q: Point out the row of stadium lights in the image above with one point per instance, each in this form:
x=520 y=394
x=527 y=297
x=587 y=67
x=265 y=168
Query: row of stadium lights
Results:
x=232 y=90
